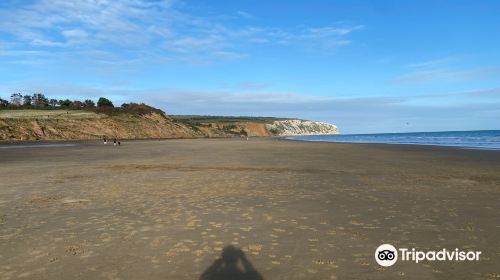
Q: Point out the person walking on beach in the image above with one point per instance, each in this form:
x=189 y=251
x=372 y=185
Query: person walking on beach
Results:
x=104 y=140
x=114 y=141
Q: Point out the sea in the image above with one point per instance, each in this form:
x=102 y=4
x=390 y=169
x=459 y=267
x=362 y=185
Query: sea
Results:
x=476 y=139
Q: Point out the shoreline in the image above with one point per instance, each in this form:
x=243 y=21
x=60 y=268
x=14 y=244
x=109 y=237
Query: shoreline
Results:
x=477 y=139
x=7 y=142
x=403 y=144
x=270 y=138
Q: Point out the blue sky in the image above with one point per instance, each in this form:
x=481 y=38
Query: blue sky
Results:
x=367 y=66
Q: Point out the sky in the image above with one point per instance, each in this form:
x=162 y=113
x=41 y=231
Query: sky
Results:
x=366 y=66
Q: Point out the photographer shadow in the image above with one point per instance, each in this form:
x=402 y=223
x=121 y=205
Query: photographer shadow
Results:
x=232 y=265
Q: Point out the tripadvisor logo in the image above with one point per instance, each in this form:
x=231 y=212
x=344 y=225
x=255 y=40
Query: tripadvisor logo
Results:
x=387 y=255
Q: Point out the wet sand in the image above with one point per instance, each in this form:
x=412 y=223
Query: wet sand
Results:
x=298 y=210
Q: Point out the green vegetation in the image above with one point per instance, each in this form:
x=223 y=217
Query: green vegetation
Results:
x=88 y=103
x=48 y=114
x=39 y=105
x=140 y=109
x=104 y=102
x=38 y=102
x=197 y=120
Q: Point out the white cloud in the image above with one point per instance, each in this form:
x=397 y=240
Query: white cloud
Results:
x=46 y=43
x=18 y=53
x=75 y=33
x=440 y=62
x=158 y=26
x=330 y=31
x=449 y=75
x=245 y=15
x=441 y=70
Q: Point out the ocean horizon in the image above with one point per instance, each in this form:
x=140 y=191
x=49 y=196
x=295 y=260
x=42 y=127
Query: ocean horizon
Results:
x=472 y=139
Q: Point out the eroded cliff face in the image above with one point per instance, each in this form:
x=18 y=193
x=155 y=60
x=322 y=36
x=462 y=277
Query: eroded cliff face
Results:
x=78 y=125
x=94 y=127
x=301 y=127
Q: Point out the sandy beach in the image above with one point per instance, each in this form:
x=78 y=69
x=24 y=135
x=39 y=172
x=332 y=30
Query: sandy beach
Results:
x=298 y=210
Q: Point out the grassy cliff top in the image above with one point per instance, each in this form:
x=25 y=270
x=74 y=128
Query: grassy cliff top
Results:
x=126 y=110
x=224 y=119
x=89 y=114
x=47 y=114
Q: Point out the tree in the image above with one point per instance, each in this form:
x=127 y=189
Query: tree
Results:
x=3 y=103
x=65 y=103
x=140 y=109
x=77 y=104
x=27 y=100
x=104 y=102
x=40 y=100
x=53 y=103
x=16 y=99
x=89 y=103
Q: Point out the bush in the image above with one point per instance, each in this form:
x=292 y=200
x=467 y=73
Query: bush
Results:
x=89 y=104
x=104 y=102
x=53 y=103
x=140 y=109
x=77 y=104
x=65 y=103
x=3 y=103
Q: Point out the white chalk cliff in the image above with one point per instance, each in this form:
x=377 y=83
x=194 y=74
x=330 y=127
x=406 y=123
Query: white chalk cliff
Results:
x=301 y=127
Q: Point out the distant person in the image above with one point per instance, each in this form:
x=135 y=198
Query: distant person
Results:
x=119 y=143
x=227 y=267
x=105 y=140
x=114 y=142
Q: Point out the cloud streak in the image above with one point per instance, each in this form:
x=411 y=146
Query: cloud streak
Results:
x=446 y=75
x=164 y=27
x=438 y=70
